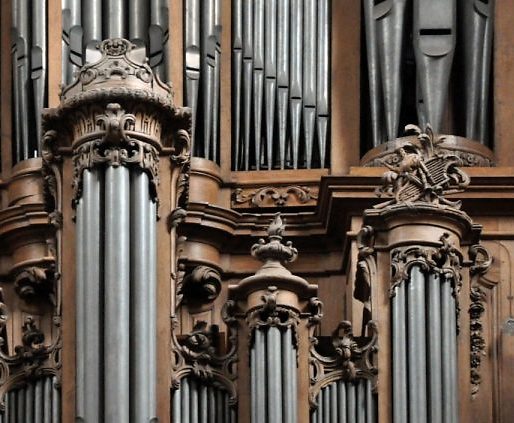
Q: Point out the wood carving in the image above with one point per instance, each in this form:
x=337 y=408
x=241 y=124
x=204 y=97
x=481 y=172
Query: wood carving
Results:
x=423 y=173
x=270 y=196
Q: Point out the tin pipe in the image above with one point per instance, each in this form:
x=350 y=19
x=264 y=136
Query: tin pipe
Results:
x=117 y=294
x=274 y=375
x=208 y=64
x=192 y=58
x=341 y=401
x=350 y=402
x=47 y=394
x=138 y=21
x=158 y=37
x=203 y=405
x=216 y=85
x=80 y=292
x=370 y=418
x=309 y=77
x=39 y=402
x=185 y=400
x=290 y=395
x=92 y=24
x=247 y=78
x=483 y=115
x=270 y=73
x=22 y=60
x=56 y=401
x=416 y=345
x=296 y=68
x=20 y=405
x=211 y=404
x=177 y=406
x=237 y=69
x=115 y=24
x=361 y=401
x=322 y=78
x=193 y=389
x=375 y=92
x=29 y=403
x=399 y=330
x=220 y=398
x=283 y=31
x=258 y=76
x=434 y=348
x=38 y=64
x=260 y=372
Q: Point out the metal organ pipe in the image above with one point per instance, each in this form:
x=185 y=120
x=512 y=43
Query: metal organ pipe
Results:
x=283 y=31
x=258 y=76
x=270 y=74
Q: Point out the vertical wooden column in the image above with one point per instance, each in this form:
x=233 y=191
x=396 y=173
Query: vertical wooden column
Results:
x=54 y=20
x=176 y=48
x=5 y=88
x=225 y=115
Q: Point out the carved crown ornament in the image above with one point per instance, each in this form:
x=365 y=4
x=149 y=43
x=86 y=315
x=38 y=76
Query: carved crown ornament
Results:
x=117 y=113
x=423 y=172
x=30 y=360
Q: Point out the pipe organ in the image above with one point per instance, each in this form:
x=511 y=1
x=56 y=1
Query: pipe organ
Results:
x=323 y=233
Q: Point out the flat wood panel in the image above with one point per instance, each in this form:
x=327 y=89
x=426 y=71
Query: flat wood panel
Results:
x=54 y=51
x=175 y=48
x=345 y=91
x=5 y=88
x=504 y=82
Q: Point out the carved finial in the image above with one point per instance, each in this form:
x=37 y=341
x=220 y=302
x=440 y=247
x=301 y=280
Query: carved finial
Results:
x=274 y=250
x=423 y=172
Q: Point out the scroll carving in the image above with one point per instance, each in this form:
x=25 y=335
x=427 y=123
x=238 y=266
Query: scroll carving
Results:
x=201 y=284
x=423 y=173
x=33 y=282
x=350 y=358
x=481 y=262
x=32 y=359
x=275 y=196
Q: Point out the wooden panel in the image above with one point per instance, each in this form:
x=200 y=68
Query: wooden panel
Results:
x=54 y=20
x=5 y=88
x=345 y=114
x=225 y=138
x=175 y=48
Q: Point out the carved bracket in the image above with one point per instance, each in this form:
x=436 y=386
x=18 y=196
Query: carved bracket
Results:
x=201 y=284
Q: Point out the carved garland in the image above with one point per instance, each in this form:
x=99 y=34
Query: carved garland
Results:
x=481 y=262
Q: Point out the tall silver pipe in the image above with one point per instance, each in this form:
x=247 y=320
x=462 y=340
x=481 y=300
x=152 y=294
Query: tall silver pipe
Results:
x=211 y=404
x=270 y=73
x=253 y=380
x=274 y=375
x=258 y=76
x=138 y=21
x=290 y=395
x=158 y=35
x=237 y=74
x=38 y=64
x=375 y=91
x=17 y=147
x=260 y=371
x=72 y=39
x=39 y=401
x=399 y=330
x=341 y=401
x=321 y=411
x=140 y=338
x=434 y=348
x=92 y=24
x=283 y=31
x=185 y=400
x=351 y=402
x=117 y=295
x=22 y=60
x=80 y=324
x=483 y=115
x=91 y=294
x=453 y=359
x=56 y=401
x=296 y=79
x=152 y=309
x=193 y=392
x=115 y=25
x=20 y=405
x=208 y=52
x=370 y=418
x=247 y=79
x=333 y=402
x=203 y=405
x=327 y=409
x=47 y=417
x=389 y=18
x=29 y=403
x=449 y=348
x=192 y=57
x=309 y=77
x=12 y=406
x=177 y=407
x=361 y=401
x=216 y=85
x=322 y=78
x=220 y=398
x=434 y=44
x=416 y=343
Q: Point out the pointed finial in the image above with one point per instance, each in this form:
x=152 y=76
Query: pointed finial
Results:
x=274 y=250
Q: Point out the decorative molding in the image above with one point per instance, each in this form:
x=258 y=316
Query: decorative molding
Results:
x=269 y=196
x=423 y=172
x=481 y=261
x=351 y=359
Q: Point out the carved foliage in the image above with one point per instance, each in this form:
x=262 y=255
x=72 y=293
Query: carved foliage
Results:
x=351 y=358
x=423 y=173
x=274 y=196
x=274 y=250
x=481 y=262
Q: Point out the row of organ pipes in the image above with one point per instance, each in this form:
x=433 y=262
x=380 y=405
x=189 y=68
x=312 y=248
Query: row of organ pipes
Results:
x=440 y=30
x=87 y=22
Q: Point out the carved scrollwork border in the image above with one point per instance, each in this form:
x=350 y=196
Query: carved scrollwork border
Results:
x=270 y=196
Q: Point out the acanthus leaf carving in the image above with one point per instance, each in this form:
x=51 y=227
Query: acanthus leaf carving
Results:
x=274 y=196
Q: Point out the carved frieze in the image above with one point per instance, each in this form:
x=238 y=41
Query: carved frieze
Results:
x=270 y=196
